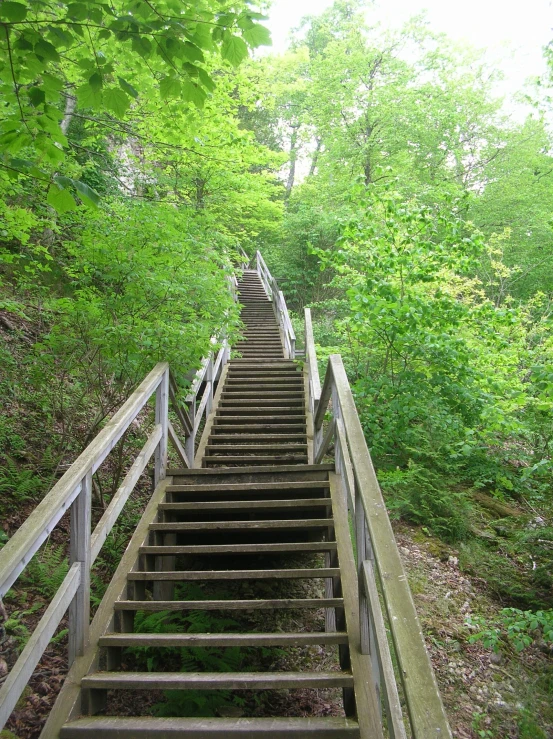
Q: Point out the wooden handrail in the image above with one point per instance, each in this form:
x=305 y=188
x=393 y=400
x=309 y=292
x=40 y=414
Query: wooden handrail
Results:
x=74 y=491
x=17 y=552
x=376 y=552
x=279 y=305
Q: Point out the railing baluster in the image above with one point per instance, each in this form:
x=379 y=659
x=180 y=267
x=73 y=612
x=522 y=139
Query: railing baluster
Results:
x=162 y=417
x=80 y=551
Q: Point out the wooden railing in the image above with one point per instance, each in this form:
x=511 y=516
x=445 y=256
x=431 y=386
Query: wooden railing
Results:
x=279 y=304
x=385 y=600
x=74 y=492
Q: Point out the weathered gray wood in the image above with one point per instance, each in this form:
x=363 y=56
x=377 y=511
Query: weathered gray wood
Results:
x=394 y=714
x=328 y=437
x=28 y=538
x=68 y=701
x=223 y=640
x=79 y=553
x=109 y=727
x=186 y=575
x=177 y=408
x=308 y=523
x=207 y=396
x=117 y=503
x=322 y=546
x=426 y=711
x=311 y=358
x=247 y=505
x=216 y=680
x=343 y=464
x=211 y=417
x=21 y=672
x=162 y=418
x=249 y=486
x=368 y=713
x=226 y=605
x=174 y=439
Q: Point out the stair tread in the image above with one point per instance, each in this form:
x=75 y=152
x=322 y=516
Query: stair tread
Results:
x=216 y=680
x=235 y=639
x=248 y=505
x=292 y=446
x=307 y=484
x=148 y=727
x=292 y=574
x=314 y=523
x=198 y=471
x=317 y=546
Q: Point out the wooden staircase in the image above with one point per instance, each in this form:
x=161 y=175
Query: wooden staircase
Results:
x=259 y=520
x=257 y=544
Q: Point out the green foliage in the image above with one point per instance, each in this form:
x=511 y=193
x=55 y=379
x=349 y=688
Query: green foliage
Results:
x=190 y=659
x=425 y=497
x=47 y=570
x=96 y=58
x=17 y=485
x=515 y=627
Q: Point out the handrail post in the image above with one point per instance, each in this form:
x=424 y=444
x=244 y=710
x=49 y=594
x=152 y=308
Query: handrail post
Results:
x=162 y=417
x=79 y=551
x=209 y=379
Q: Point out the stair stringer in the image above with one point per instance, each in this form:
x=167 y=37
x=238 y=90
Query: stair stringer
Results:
x=68 y=702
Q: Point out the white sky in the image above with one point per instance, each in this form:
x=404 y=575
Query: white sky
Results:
x=513 y=32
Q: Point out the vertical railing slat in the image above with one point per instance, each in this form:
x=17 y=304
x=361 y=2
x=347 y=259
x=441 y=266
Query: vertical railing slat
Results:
x=80 y=551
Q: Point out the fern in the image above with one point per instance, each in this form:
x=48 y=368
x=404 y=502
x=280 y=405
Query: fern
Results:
x=18 y=485
x=46 y=571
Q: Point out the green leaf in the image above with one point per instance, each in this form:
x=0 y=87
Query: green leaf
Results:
x=49 y=82
x=77 y=11
x=88 y=97
x=206 y=80
x=12 y=12
x=37 y=96
x=14 y=141
x=192 y=93
x=89 y=196
x=170 y=87
x=234 y=50
x=60 y=199
x=45 y=49
x=257 y=35
x=116 y=100
x=95 y=81
x=129 y=89
x=193 y=53
x=142 y=46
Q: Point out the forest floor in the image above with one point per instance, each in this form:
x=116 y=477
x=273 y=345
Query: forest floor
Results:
x=487 y=695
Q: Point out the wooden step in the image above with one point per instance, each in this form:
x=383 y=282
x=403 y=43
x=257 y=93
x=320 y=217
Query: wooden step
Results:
x=215 y=680
x=246 y=395
x=286 y=401
x=252 y=459
x=308 y=523
x=240 y=438
x=254 y=639
x=270 y=446
x=224 y=427
x=154 y=606
x=195 y=575
x=253 y=450
x=147 y=727
x=248 y=487
x=218 y=549
x=246 y=505
x=254 y=410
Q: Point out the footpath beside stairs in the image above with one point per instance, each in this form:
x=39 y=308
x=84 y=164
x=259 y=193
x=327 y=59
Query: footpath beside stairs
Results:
x=254 y=506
